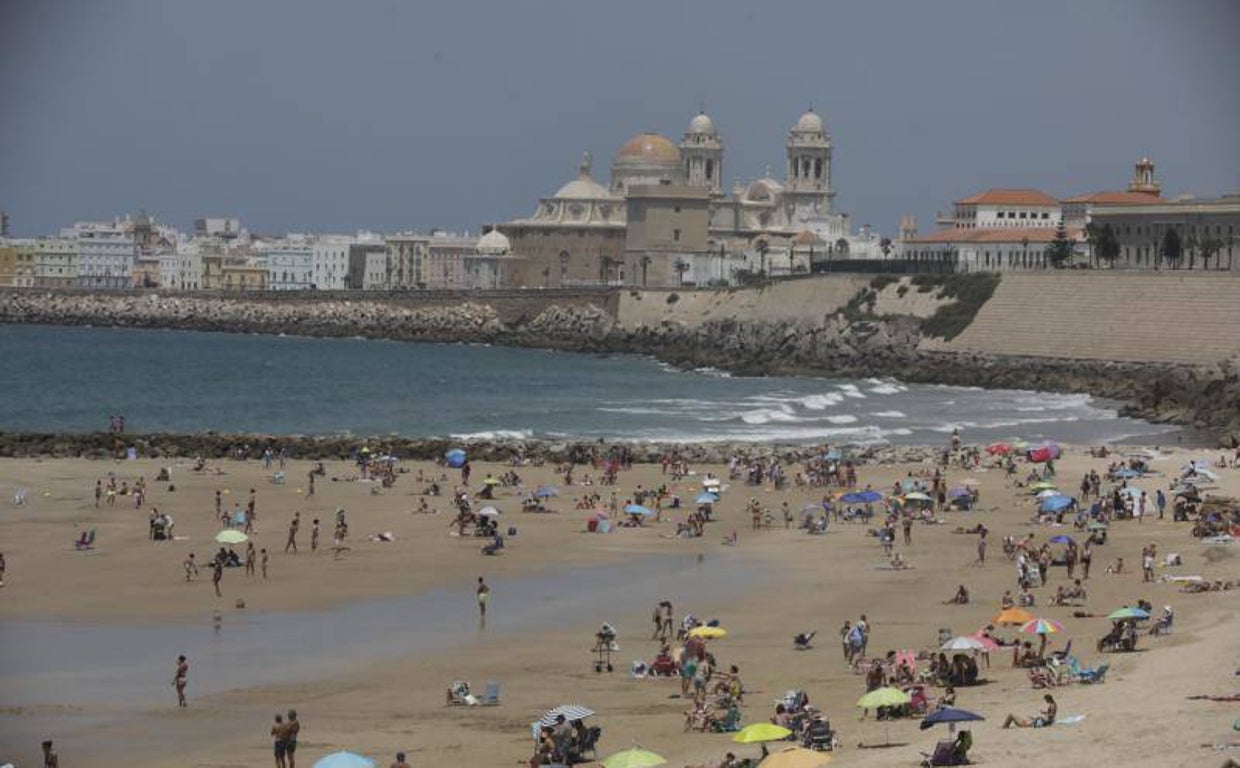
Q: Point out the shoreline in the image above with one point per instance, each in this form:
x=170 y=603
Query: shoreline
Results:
x=1202 y=398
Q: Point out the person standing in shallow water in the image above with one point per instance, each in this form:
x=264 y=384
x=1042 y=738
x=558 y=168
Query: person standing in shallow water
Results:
x=181 y=680
x=483 y=592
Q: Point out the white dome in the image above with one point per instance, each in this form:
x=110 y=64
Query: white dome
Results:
x=583 y=188
x=702 y=125
x=809 y=123
x=493 y=242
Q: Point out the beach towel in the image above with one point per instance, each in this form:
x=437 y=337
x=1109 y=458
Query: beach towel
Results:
x=1069 y=720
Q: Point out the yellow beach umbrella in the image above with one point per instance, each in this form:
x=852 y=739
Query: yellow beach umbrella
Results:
x=636 y=757
x=795 y=757
x=759 y=732
x=1013 y=616
x=230 y=536
x=884 y=697
x=708 y=633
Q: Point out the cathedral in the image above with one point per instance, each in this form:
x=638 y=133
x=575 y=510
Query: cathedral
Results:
x=665 y=219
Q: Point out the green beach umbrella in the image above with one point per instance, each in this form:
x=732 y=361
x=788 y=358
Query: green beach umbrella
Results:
x=229 y=536
x=1128 y=613
x=883 y=697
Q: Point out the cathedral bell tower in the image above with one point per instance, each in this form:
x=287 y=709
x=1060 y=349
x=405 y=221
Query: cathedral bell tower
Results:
x=808 y=189
x=701 y=149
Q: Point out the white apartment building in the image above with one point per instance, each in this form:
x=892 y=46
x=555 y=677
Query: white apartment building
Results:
x=106 y=254
x=330 y=262
x=290 y=266
x=180 y=269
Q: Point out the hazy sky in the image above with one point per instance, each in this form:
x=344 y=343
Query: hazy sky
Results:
x=332 y=116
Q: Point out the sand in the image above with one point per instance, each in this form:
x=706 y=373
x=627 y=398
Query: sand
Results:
x=780 y=582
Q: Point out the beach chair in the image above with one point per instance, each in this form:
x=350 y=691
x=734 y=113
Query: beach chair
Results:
x=490 y=697
x=87 y=541
x=819 y=736
x=944 y=754
x=1092 y=676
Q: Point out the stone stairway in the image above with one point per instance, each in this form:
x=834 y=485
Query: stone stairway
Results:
x=1163 y=317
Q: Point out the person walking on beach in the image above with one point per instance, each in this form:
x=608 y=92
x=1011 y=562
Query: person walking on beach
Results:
x=217 y=573
x=249 y=558
x=191 y=568
x=50 y=758
x=292 y=533
x=482 y=593
x=180 y=680
x=1087 y=554
x=981 y=545
x=265 y=557
x=314 y=535
x=2 y=567
x=278 y=733
x=98 y=492
x=219 y=504
x=292 y=728
x=1160 y=500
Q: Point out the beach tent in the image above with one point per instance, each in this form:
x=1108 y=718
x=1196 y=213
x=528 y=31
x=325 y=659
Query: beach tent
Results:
x=1057 y=503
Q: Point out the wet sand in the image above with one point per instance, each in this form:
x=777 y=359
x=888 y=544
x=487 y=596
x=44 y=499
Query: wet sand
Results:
x=363 y=646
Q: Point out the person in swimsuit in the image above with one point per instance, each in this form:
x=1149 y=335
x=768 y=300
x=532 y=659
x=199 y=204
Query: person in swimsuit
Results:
x=400 y=761
x=483 y=592
x=181 y=680
x=50 y=758
x=292 y=728
x=1044 y=719
x=278 y=732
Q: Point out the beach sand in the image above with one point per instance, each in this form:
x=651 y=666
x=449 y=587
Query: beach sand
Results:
x=775 y=584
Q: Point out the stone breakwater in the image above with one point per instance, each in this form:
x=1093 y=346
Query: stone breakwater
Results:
x=1205 y=398
x=211 y=445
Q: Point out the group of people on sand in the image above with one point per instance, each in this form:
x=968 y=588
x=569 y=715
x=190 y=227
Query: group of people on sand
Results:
x=284 y=739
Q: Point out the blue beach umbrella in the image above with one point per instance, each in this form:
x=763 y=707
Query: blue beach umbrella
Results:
x=1057 y=503
x=861 y=497
x=545 y=492
x=1062 y=539
x=455 y=458
x=706 y=498
x=638 y=509
x=948 y=715
x=344 y=760
x=1127 y=474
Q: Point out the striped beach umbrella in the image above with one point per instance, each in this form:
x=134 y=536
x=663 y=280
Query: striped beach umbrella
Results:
x=1041 y=626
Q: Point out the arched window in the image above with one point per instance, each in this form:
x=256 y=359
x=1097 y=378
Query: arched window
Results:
x=818 y=168
x=710 y=170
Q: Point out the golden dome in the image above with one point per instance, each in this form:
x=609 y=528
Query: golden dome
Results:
x=649 y=148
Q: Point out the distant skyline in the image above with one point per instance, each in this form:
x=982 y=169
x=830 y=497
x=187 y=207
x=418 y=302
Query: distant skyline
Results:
x=324 y=116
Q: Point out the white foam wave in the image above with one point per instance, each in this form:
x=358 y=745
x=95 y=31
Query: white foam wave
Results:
x=851 y=390
x=768 y=415
x=889 y=415
x=821 y=402
x=497 y=434
x=886 y=387
x=845 y=419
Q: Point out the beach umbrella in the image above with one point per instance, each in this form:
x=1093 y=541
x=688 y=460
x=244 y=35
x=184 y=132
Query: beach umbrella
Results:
x=861 y=497
x=706 y=498
x=229 y=536
x=917 y=496
x=546 y=492
x=1128 y=613
x=571 y=712
x=1013 y=616
x=795 y=757
x=999 y=449
x=883 y=697
x=1130 y=491
x=635 y=757
x=1040 y=626
x=759 y=732
x=455 y=458
x=987 y=642
x=963 y=643
x=492 y=481
x=638 y=509
x=1062 y=539
x=489 y=512
x=1049 y=492
x=1057 y=503
x=344 y=760
x=1042 y=485
x=1126 y=474
x=948 y=715
x=708 y=633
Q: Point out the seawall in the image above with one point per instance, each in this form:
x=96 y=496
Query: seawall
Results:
x=1167 y=345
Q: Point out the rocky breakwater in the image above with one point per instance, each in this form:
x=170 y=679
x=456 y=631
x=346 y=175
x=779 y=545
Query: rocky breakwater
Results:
x=216 y=446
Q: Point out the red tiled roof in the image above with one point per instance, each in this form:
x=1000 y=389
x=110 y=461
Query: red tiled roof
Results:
x=1117 y=197
x=1009 y=197
x=1038 y=235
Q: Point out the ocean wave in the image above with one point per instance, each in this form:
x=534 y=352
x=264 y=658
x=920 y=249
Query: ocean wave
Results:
x=845 y=419
x=709 y=371
x=851 y=390
x=889 y=415
x=885 y=387
x=767 y=415
x=864 y=435
x=821 y=402
x=497 y=434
